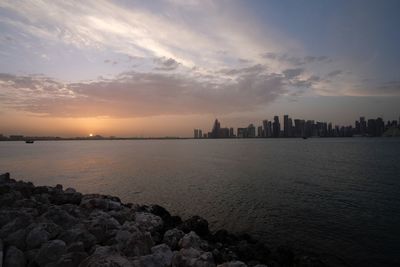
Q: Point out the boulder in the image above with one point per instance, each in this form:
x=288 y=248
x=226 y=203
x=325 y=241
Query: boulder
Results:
x=191 y=257
x=133 y=242
x=20 y=222
x=102 y=225
x=105 y=257
x=60 y=198
x=50 y=251
x=233 y=264
x=17 y=239
x=95 y=201
x=161 y=257
x=148 y=222
x=1 y=252
x=192 y=240
x=5 y=177
x=79 y=234
x=71 y=259
x=172 y=237
x=60 y=217
x=196 y=224
x=14 y=258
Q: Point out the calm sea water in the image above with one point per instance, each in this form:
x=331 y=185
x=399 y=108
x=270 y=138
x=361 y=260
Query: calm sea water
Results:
x=338 y=197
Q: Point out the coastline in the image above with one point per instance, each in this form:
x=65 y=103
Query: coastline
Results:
x=50 y=226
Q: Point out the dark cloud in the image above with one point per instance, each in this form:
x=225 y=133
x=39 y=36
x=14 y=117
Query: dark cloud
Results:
x=255 y=69
x=292 y=73
x=334 y=73
x=296 y=61
x=166 y=64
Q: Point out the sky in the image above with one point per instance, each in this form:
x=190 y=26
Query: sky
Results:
x=164 y=67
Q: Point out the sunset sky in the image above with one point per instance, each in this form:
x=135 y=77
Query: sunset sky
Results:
x=162 y=68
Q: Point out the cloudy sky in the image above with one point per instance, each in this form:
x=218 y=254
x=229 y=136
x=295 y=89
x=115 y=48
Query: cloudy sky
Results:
x=162 y=68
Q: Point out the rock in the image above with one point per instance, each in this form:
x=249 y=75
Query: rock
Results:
x=30 y=256
x=70 y=190
x=14 y=258
x=172 y=237
x=5 y=177
x=36 y=237
x=122 y=215
x=79 y=234
x=59 y=187
x=1 y=252
x=190 y=240
x=50 y=252
x=284 y=255
x=161 y=257
x=148 y=222
x=233 y=264
x=70 y=259
x=76 y=247
x=192 y=258
x=17 y=239
x=95 y=201
x=60 y=217
x=60 y=198
x=196 y=224
x=20 y=222
x=133 y=242
x=105 y=257
x=102 y=225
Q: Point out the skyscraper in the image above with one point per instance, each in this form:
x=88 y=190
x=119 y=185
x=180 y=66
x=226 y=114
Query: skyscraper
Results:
x=276 y=127
x=215 y=129
x=251 y=131
x=286 y=125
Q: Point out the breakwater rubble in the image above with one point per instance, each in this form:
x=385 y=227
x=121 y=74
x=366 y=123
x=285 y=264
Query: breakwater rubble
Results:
x=49 y=226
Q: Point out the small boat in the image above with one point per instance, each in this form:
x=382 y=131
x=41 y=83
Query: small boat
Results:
x=304 y=137
x=29 y=141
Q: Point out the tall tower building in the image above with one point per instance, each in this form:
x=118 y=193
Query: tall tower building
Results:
x=215 y=129
x=286 y=126
x=276 y=127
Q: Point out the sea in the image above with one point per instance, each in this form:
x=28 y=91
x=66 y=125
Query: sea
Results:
x=337 y=197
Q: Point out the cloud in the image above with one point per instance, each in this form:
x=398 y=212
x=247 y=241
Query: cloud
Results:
x=293 y=73
x=166 y=64
x=144 y=30
x=295 y=60
x=134 y=94
x=334 y=73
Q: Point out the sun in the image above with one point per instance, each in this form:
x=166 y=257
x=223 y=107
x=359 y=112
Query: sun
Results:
x=91 y=135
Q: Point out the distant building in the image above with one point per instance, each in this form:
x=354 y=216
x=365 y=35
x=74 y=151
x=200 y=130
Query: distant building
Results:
x=242 y=133
x=200 y=133
x=196 y=133
x=286 y=125
x=231 y=133
x=215 y=129
x=251 y=131
x=260 y=131
x=276 y=127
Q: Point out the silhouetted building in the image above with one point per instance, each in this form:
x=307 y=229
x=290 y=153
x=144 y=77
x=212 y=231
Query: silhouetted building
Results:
x=260 y=131
x=251 y=131
x=196 y=133
x=363 y=126
x=276 y=127
x=215 y=129
x=231 y=133
x=242 y=133
x=200 y=133
x=286 y=125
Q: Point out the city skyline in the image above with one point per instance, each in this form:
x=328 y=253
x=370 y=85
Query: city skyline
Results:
x=294 y=127
x=165 y=67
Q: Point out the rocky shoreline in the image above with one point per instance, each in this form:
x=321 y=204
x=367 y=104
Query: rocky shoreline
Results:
x=49 y=226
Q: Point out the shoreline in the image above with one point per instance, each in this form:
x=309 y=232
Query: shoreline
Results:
x=50 y=226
